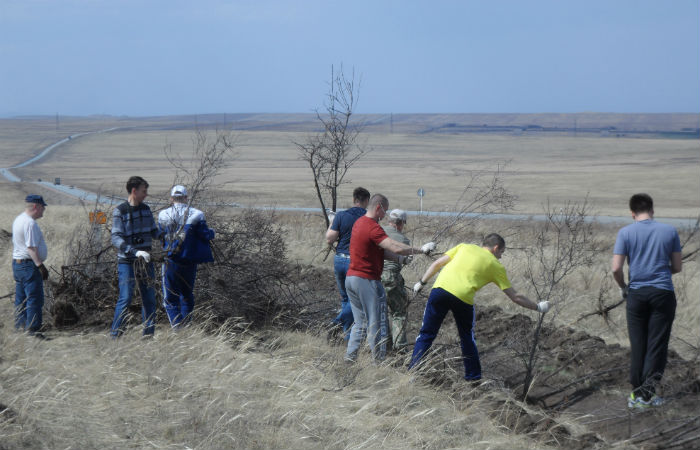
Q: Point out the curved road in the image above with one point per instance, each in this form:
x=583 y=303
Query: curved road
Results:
x=71 y=191
x=88 y=196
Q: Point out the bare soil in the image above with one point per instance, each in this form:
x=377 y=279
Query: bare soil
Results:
x=580 y=378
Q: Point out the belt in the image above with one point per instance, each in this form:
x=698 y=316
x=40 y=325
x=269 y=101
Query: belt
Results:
x=343 y=255
x=20 y=261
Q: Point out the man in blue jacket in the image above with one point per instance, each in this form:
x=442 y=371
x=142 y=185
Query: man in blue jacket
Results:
x=340 y=230
x=186 y=239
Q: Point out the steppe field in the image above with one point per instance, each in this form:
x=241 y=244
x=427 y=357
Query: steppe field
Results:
x=230 y=381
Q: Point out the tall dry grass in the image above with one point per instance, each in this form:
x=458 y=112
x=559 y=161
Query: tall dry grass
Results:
x=229 y=389
x=274 y=389
x=584 y=287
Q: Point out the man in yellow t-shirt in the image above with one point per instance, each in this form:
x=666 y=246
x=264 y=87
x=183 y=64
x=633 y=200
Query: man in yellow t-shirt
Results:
x=466 y=268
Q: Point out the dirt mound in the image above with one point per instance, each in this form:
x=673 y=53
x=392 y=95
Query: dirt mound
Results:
x=579 y=377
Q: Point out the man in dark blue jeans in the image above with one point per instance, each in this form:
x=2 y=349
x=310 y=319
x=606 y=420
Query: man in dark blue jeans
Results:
x=28 y=255
x=186 y=239
x=340 y=230
x=653 y=252
x=133 y=230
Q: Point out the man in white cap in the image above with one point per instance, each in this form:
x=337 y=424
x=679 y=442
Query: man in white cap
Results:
x=186 y=239
x=28 y=255
x=396 y=298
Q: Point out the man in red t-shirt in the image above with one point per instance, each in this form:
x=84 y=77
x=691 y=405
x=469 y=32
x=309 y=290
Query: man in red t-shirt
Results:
x=369 y=247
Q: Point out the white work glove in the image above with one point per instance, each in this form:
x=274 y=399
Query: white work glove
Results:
x=624 y=291
x=145 y=255
x=417 y=287
x=543 y=307
x=427 y=248
x=405 y=260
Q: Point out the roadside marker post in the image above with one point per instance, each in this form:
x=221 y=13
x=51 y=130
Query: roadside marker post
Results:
x=421 y=193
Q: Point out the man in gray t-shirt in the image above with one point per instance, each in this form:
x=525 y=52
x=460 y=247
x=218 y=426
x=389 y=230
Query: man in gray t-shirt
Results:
x=653 y=252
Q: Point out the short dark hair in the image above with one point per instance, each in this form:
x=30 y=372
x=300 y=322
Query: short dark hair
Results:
x=378 y=199
x=135 y=182
x=641 y=203
x=494 y=240
x=360 y=195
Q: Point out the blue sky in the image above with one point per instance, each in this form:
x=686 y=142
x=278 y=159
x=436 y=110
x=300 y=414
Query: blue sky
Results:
x=140 y=57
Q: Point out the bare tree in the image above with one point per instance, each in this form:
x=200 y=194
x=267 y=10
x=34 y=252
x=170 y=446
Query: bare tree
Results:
x=209 y=155
x=332 y=152
x=199 y=168
x=564 y=242
x=691 y=241
x=484 y=193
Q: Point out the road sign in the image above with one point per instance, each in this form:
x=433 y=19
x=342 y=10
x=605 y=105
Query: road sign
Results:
x=98 y=218
x=421 y=192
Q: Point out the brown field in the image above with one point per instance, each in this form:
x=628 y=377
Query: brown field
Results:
x=267 y=170
x=279 y=389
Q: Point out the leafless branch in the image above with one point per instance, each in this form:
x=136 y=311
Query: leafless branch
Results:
x=331 y=153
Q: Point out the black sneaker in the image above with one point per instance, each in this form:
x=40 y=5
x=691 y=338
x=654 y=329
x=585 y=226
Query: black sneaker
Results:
x=40 y=336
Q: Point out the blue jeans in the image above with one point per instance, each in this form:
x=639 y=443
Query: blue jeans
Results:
x=29 y=295
x=178 y=295
x=341 y=264
x=127 y=284
x=439 y=303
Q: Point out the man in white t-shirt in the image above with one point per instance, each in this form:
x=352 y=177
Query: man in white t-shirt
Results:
x=28 y=255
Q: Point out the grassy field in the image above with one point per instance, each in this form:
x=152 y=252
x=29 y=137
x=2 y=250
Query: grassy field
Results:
x=276 y=389
x=267 y=170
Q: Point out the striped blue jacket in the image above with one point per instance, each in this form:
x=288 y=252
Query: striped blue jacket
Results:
x=133 y=229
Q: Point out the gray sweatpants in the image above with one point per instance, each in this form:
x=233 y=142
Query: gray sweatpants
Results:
x=368 y=303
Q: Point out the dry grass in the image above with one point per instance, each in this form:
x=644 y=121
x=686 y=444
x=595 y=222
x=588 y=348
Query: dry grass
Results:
x=267 y=169
x=274 y=389
x=306 y=244
x=230 y=389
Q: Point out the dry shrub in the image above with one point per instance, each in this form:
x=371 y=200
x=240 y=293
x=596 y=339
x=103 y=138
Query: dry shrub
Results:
x=251 y=279
x=88 y=286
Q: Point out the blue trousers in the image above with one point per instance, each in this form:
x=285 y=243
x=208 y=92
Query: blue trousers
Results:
x=178 y=291
x=341 y=264
x=127 y=284
x=29 y=295
x=439 y=303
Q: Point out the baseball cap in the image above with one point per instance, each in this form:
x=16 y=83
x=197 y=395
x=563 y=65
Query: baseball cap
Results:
x=34 y=198
x=178 y=191
x=398 y=214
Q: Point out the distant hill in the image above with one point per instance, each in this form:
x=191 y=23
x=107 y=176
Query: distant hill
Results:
x=615 y=124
